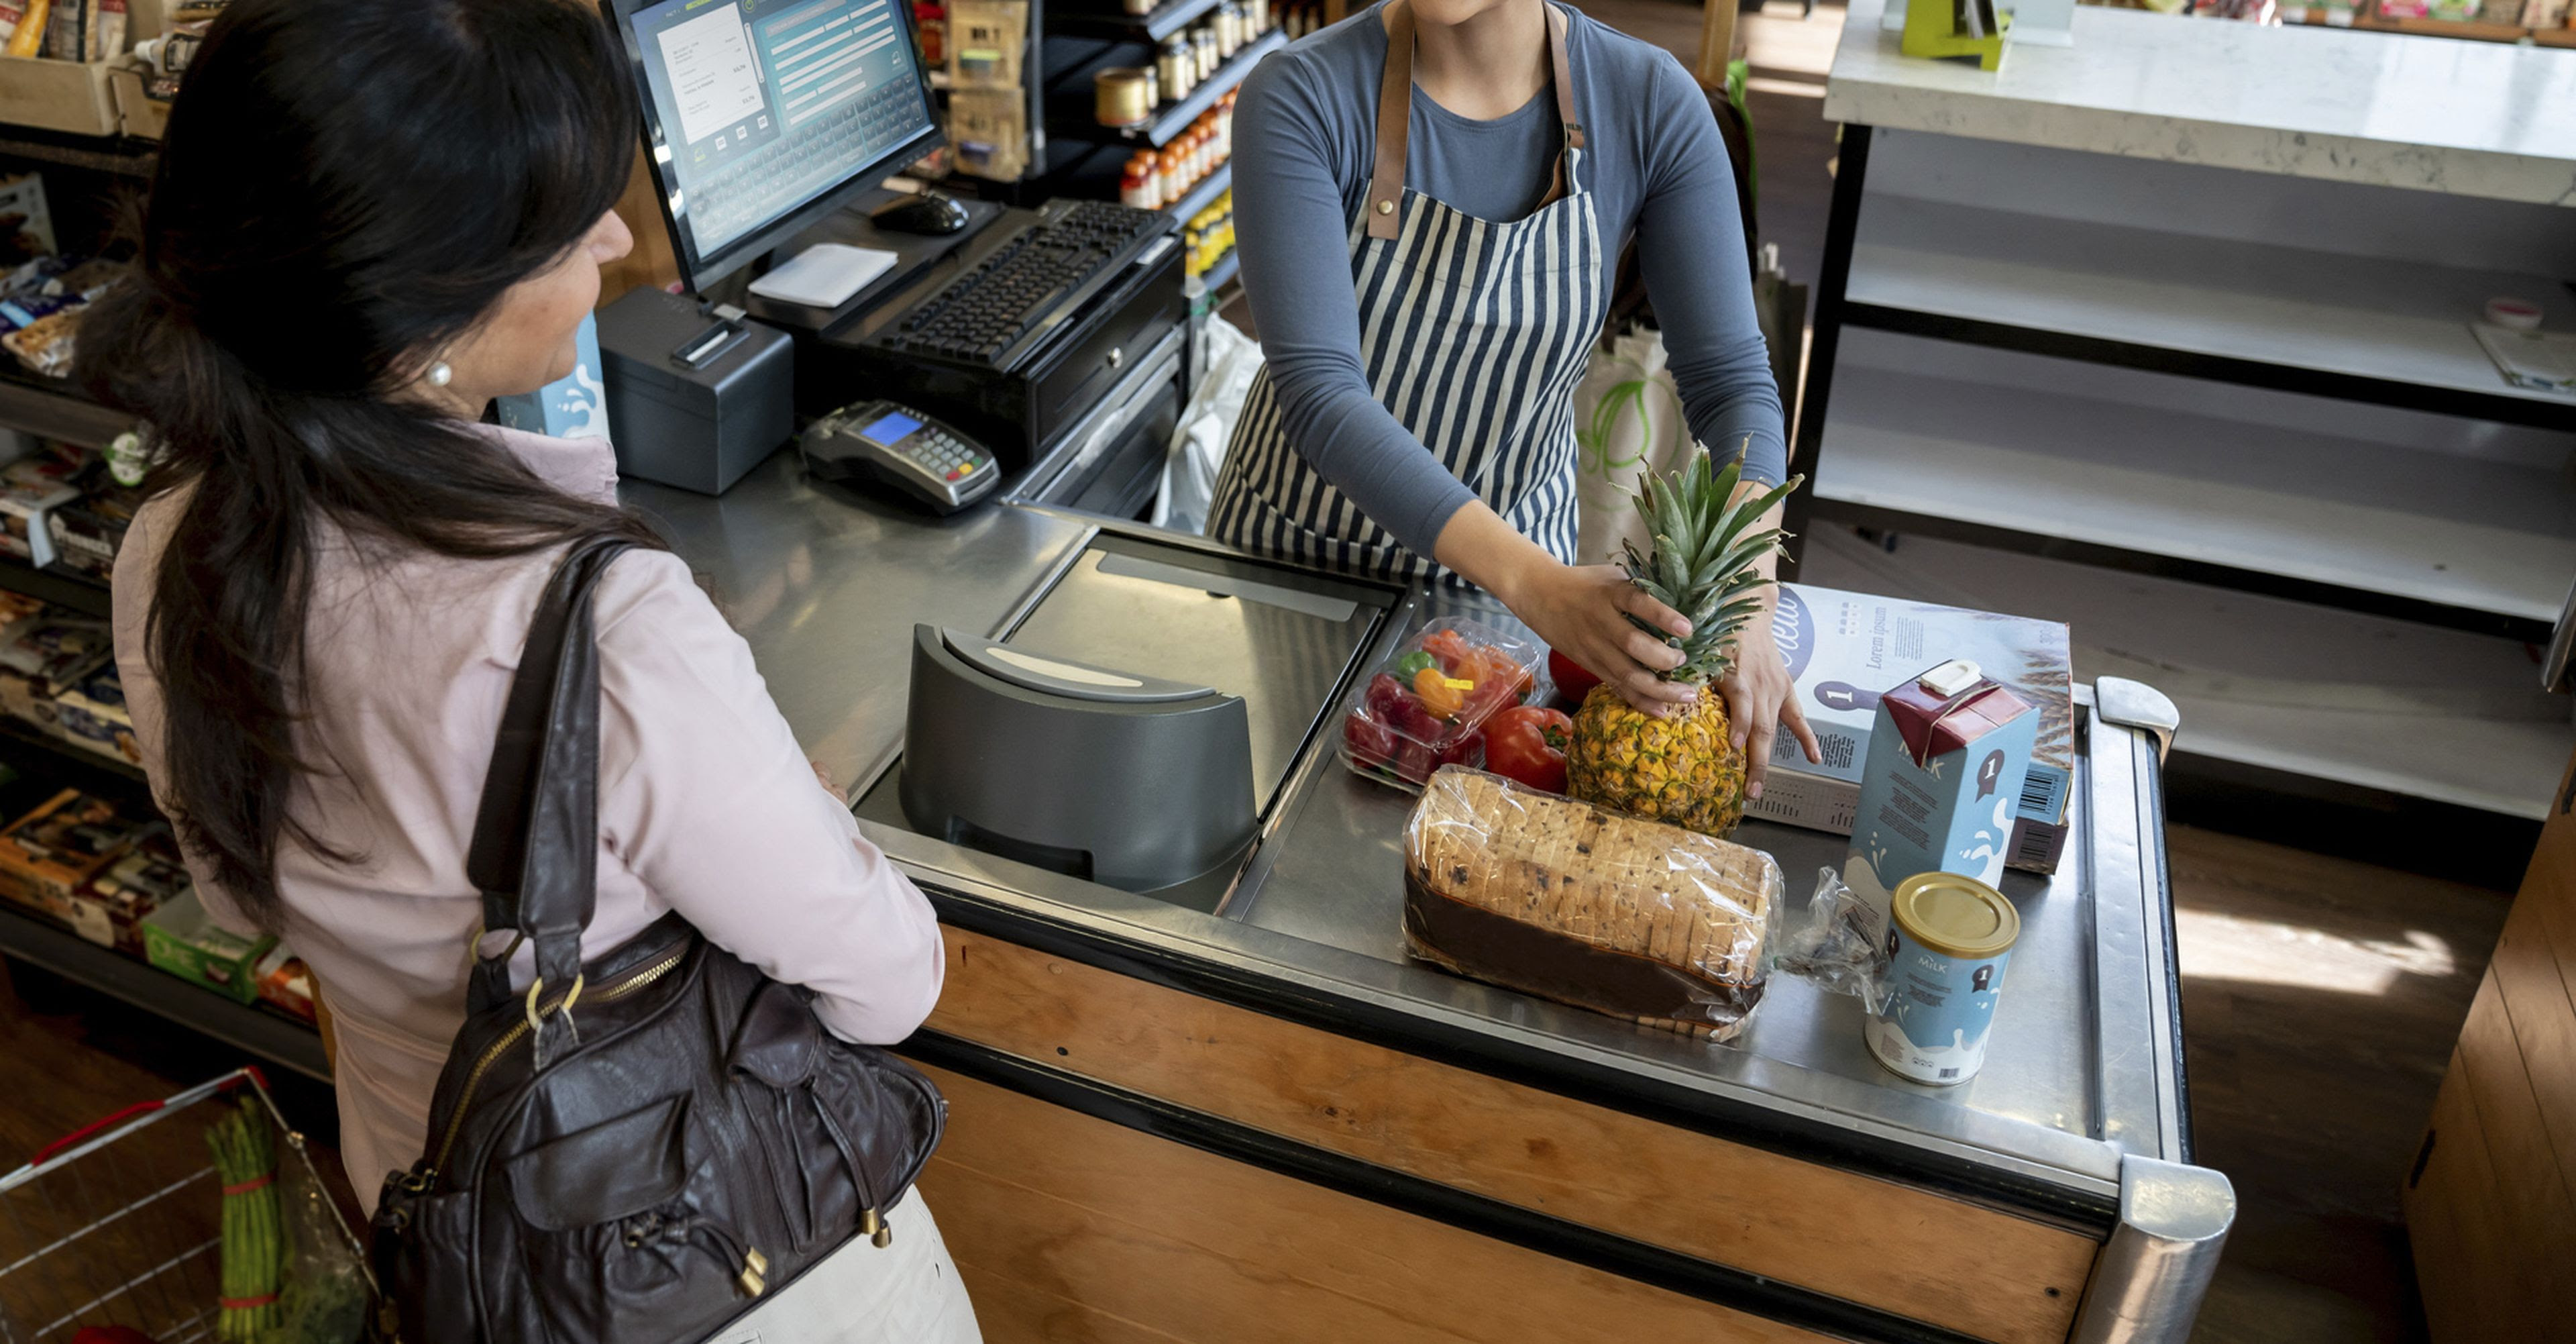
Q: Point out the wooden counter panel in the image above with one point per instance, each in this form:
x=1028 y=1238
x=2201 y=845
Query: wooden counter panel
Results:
x=2531 y=1207
x=2534 y=962
x=1890 y=1246
x=2473 y=1287
x=1088 y=1230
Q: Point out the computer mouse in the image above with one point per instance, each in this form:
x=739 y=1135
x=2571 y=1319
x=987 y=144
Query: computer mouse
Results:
x=928 y=212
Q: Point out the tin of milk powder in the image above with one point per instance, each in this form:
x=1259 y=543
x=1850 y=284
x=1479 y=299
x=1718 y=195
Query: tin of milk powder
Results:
x=1948 y=939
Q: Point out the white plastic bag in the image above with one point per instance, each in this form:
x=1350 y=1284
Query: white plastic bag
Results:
x=1627 y=421
x=1227 y=361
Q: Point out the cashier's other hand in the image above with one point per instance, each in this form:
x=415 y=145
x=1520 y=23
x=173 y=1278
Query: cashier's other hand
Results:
x=1760 y=700
x=1582 y=612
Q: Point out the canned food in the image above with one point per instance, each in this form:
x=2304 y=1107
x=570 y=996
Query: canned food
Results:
x=1948 y=939
x=1121 y=97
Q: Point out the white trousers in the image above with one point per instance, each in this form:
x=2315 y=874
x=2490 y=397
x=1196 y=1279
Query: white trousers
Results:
x=904 y=1293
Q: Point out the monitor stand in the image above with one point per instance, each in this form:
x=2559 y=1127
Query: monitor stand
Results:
x=851 y=227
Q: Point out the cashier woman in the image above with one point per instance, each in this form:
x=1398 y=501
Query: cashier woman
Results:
x=1431 y=200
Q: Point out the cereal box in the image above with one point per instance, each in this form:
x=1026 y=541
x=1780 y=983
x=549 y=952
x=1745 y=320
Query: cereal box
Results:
x=180 y=938
x=110 y=909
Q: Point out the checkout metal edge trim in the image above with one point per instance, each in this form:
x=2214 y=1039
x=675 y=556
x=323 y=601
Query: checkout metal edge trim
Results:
x=1705 y=1280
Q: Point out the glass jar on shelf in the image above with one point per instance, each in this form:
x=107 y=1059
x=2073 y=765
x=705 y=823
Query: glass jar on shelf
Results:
x=1178 y=67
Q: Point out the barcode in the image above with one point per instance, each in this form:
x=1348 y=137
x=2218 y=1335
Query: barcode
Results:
x=1949 y=1073
x=2034 y=845
x=2036 y=848
x=2041 y=791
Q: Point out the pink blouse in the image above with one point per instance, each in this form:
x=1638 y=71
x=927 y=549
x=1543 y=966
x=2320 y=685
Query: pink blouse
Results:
x=706 y=804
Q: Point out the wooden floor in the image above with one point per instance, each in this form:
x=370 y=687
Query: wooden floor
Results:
x=2320 y=999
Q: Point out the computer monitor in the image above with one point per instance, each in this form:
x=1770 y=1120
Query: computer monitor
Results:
x=763 y=116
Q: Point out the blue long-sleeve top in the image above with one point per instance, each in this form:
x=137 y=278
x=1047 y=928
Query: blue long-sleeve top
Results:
x=1305 y=137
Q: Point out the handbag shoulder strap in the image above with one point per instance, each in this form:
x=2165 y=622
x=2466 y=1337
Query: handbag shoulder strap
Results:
x=535 y=852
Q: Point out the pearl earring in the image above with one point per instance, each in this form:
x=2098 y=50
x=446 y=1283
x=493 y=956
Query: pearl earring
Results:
x=439 y=374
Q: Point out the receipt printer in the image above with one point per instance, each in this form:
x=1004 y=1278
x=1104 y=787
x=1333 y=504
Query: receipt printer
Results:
x=697 y=394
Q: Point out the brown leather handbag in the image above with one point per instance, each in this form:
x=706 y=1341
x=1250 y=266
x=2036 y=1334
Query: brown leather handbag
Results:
x=635 y=1148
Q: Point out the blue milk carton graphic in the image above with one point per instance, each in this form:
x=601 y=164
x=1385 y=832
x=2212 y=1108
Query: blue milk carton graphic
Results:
x=1943 y=780
x=574 y=406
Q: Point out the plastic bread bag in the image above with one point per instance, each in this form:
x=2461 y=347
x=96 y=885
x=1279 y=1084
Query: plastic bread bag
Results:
x=1827 y=942
x=1637 y=919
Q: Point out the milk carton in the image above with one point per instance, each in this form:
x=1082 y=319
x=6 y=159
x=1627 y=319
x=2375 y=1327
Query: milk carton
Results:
x=1843 y=648
x=1943 y=779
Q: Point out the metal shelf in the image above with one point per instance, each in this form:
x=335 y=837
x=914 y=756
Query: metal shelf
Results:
x=1164 y=21
x=87 y=770
x=99 y=154
x=1177 y=117
x=57 y=412
x=1201 y=196
x=2255 y=313
x=1223 y=271
x=84 y=595
x=2348 y=506
x=270 y=1035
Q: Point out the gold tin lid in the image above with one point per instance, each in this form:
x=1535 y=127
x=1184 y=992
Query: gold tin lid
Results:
x=1955 y=916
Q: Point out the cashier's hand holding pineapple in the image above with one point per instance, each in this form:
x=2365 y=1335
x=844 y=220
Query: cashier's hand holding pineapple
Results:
x=1656 y=629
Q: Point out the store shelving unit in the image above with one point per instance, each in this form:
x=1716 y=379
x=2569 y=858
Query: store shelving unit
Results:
x=2377 y=329
x=56 y=412
x=1176 y=117
x=1201 y=196
x=2154 y=341
x=1223 y=273
x=2409 y=514
x=2474 y=30
x=76 y=767
x=75 y=591
x=1165 y=20
x=249 y=1027
x=2148 y=471
x=114 y=155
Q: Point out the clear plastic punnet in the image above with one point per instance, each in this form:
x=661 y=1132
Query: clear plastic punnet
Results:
x=1657 y=924
x=1426 y=705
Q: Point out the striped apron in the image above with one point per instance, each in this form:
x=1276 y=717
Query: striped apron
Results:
x=1472 y=335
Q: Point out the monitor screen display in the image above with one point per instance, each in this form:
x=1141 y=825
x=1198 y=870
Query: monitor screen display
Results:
x=756 y=109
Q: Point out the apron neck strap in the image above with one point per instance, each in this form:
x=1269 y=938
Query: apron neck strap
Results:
x=1395 y=117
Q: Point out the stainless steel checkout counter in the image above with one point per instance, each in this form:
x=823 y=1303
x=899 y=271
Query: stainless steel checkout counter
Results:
x=1244 y=1073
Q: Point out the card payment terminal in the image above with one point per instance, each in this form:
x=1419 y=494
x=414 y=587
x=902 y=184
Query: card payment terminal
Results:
x=899 y=446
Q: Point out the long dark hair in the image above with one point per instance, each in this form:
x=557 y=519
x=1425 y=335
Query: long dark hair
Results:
x=345 y=189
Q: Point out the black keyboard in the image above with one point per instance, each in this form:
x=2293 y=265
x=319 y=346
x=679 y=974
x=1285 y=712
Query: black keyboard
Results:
x=1023 y=290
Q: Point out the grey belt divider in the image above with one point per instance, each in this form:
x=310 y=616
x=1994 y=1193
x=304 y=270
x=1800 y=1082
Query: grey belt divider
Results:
x=1334 y=609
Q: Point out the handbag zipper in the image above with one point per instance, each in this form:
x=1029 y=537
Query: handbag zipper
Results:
x=518 y=1031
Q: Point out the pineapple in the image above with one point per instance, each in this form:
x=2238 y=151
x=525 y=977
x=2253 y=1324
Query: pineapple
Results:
x=1684 y=769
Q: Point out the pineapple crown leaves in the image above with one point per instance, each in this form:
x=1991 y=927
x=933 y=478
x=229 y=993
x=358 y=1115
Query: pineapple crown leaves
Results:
x=1702 y=563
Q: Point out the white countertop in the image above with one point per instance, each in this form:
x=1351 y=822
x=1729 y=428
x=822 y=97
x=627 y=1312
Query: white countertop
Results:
x=2385 y=109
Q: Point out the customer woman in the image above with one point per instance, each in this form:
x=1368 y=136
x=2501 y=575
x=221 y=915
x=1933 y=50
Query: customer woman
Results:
x=371 y=218
x=1474 y=167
